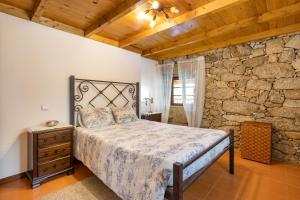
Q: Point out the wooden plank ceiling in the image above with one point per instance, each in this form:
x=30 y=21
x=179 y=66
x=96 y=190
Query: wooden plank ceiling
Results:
x=200 y=26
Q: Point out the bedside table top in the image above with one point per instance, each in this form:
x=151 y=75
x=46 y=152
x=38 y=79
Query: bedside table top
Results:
x=40 y=128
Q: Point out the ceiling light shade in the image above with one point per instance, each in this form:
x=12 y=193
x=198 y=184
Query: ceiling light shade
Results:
x=150 y=14
x=155 y=4
x=152 y=23
x=141 y=16
x=174 y=10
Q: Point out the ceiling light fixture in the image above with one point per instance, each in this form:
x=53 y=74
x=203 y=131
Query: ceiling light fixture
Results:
x=173 y=9
x=154 y=11
x=141 y=16
x=155 y=4
x=152 y=23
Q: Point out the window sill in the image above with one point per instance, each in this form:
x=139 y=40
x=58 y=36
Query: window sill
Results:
x=177 y=106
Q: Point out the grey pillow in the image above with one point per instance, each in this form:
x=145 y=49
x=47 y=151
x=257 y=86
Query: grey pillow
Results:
x=96 y=117
x=123 y=115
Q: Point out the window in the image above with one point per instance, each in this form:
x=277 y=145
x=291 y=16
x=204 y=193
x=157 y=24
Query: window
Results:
x=176 y=95
x=176 y=98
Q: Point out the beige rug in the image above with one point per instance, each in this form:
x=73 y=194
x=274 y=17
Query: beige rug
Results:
x=90 y=188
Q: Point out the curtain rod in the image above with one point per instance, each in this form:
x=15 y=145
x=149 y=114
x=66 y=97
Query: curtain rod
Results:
x=175 y=60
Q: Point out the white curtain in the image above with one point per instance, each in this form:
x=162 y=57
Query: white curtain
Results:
x=163 y=86
x=192 y=76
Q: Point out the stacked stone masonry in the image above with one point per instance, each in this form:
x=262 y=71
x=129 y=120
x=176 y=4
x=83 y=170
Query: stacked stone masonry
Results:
x=257 y=81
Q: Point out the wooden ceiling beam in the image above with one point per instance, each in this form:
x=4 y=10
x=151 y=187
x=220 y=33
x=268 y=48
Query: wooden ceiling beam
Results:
x=197 y=12
x=124 y=8
x=265 y=17
x=188 y=40
x=104 y=40
x=182 y=3
x=252 y=37
x=38 y=10
x=11 y=10
x=58 y=25
x=134 y=49
x=281 y=12
x=36 y=16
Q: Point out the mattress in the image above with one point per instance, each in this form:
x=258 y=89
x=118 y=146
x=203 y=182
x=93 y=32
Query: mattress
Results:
x=136 y=159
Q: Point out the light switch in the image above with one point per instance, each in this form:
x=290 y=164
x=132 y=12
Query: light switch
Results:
x=44 y=108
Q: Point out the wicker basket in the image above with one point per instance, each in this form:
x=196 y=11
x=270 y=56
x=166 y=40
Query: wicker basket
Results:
x=256 y=141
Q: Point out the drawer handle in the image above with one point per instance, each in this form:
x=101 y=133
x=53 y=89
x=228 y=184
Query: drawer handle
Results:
x=46 y=154
x=55 y=151
x=45 y=169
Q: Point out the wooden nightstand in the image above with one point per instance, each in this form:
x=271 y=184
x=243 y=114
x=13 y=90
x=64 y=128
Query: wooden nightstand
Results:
x=50 y=152
x=152 y=116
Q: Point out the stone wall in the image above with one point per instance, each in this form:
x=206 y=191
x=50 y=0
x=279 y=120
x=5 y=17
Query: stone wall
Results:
x=257 y=81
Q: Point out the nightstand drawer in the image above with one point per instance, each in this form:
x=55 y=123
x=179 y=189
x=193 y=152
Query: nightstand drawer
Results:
x=53 y=152
x=56 y=137
x=156 y=117
x=53 y=166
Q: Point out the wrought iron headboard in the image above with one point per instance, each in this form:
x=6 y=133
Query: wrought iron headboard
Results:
x=96 y=93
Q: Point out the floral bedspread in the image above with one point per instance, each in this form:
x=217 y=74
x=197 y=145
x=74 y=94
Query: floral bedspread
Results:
x=136 y=159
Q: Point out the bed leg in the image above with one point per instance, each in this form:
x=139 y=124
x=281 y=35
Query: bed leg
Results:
x=177 y=181
x=231 y=152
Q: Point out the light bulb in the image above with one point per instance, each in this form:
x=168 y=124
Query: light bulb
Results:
x=141 y=16
x=152 y=23
x=174 y=10
x=155 y=4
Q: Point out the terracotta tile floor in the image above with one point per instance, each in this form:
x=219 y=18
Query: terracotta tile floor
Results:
x=252 y=181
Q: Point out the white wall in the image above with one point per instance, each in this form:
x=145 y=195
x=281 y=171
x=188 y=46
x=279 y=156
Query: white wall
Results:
x=147 y=81
x=35 y=63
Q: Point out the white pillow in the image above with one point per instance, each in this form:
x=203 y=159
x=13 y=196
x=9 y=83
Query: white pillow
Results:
x=96 y=117
x=123 y=115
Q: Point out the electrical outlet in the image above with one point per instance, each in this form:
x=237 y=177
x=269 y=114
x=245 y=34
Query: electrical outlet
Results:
x=44 y=108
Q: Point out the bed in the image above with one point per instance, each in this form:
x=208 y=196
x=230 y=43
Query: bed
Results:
x=142 y=159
